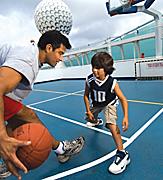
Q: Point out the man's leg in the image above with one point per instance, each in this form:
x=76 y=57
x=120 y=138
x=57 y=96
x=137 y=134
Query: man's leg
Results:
x=16 y=114
x=4 y=172
x=63 y=149
x=26 y=115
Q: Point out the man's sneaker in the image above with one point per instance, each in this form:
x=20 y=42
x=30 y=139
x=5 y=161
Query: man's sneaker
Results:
x=122 y=159
x=71 y=148
x=4 y=173
x=99 y=122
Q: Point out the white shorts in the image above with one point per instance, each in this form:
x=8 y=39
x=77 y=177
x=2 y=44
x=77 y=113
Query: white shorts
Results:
x=110 y=113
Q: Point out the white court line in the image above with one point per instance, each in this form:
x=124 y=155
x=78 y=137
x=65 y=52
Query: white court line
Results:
x=75 y=122
x=66 y=94
x=56 y=92
x=75 y=93
x=108 y=156
x=48 y=91
x=146 y=102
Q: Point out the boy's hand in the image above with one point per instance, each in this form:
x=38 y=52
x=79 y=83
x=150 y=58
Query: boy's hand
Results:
x=90 y=116
x=125 y=124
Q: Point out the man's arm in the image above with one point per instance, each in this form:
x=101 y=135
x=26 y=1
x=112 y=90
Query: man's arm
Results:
x=9 y=79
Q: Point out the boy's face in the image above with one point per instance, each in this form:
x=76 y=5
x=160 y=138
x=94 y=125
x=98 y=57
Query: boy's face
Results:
x=99 y=73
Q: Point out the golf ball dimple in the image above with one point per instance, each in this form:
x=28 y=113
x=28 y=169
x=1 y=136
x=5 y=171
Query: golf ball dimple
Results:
x=53 y=15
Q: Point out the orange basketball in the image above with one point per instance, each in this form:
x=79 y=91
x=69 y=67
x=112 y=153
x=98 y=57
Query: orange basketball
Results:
x=35 y=154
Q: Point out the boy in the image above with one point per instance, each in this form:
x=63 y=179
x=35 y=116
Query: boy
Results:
x=105 y=92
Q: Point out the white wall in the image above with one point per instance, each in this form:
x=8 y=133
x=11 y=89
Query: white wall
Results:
x=123 y=69
x=150 y=68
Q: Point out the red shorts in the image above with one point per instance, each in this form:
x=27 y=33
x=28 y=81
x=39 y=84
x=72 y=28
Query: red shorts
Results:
x=11 y=107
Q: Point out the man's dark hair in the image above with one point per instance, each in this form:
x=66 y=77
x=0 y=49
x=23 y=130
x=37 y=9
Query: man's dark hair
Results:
x=103 y=60
x=55 y=38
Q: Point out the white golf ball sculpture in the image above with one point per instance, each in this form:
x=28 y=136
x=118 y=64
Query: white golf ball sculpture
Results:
x=53 y=15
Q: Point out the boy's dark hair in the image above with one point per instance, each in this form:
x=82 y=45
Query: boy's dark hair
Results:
x=103 y=60
x=55 y=38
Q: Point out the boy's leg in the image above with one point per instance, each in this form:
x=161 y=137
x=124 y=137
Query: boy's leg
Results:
x=97 y=121
x=110 y=113
x=114 y=129
x=122 y=157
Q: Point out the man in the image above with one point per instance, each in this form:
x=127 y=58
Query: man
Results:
x=19 y=67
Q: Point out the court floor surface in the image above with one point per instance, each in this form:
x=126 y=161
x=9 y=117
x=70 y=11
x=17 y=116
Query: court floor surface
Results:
x=60 y=106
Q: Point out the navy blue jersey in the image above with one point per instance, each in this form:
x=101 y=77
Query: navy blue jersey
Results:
x=102 y=92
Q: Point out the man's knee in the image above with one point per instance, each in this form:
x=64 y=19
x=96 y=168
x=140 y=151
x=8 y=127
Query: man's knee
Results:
x=13 y=123
x=26 y=113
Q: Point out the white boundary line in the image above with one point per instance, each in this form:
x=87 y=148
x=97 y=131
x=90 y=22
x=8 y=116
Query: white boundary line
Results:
x=104 y=158
x=146 y=102
x=108 y=156
x=66 y=94
x=76 y=94
x=75 y=122
x=56 y=92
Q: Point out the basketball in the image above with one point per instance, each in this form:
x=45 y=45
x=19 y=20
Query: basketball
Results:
x=33 y=155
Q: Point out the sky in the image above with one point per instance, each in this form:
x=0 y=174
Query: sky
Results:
x=91 y=22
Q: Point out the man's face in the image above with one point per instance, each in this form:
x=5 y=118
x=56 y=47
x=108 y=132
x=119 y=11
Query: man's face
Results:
x=53 y=57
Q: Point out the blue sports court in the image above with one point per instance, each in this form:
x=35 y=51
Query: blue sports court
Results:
x=57 y=99
x=59 y=104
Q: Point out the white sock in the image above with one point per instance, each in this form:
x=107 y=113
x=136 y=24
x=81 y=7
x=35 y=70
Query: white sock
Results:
x=59 y=149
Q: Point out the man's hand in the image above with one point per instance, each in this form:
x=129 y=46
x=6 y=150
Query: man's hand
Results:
x=8 y=148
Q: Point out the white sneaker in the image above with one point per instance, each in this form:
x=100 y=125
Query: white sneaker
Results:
x=4 y=172
x=71 y=148
x=122 y=159
x=99 y=122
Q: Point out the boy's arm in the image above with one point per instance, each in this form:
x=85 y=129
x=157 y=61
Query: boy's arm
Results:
x=86 y=98
x=87 y=104
x=124 y=103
